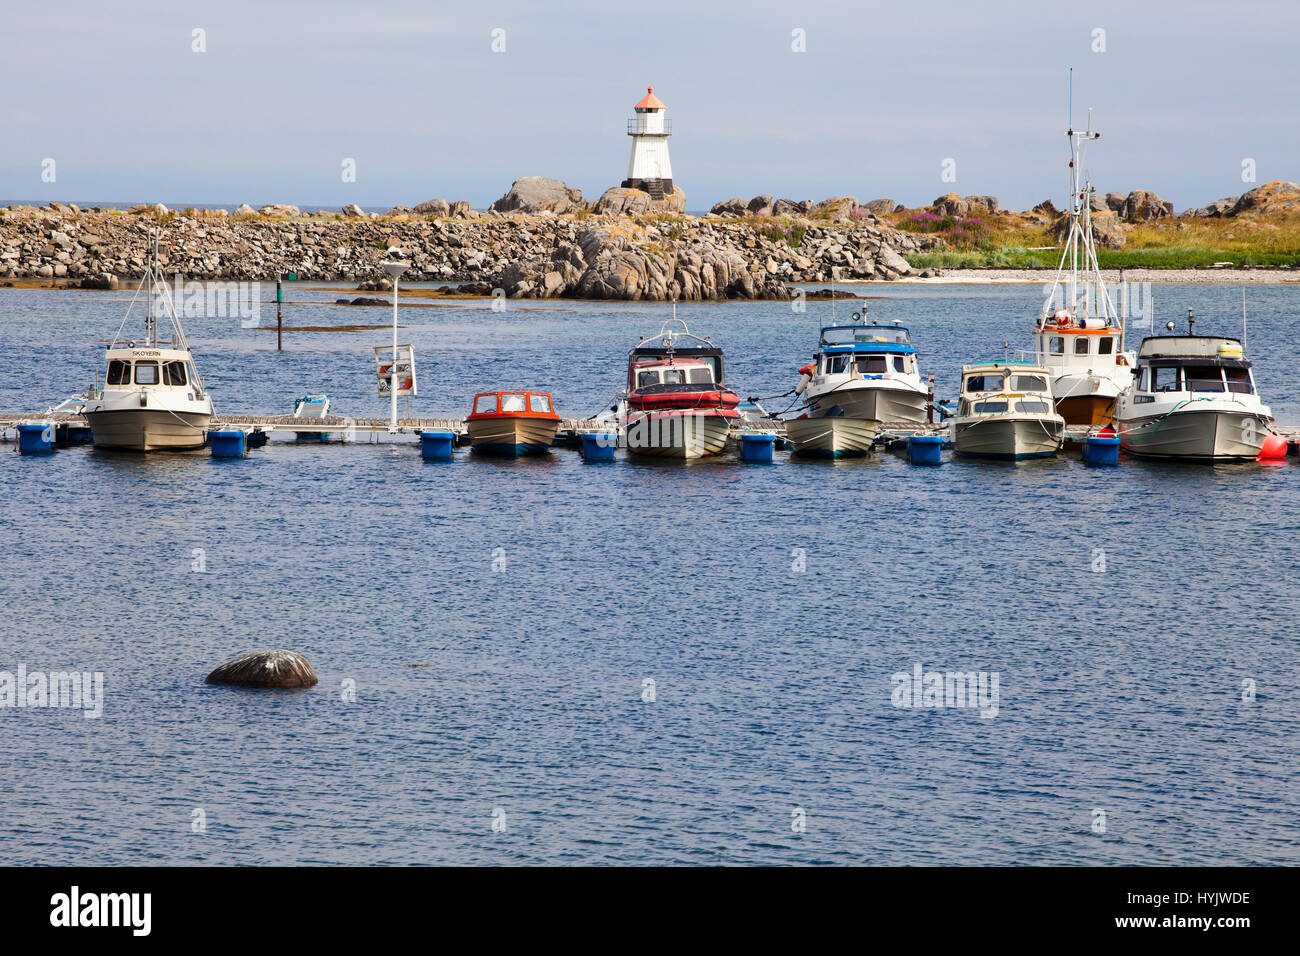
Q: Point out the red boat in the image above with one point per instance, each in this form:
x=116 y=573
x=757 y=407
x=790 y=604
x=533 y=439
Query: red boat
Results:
x=677 y=403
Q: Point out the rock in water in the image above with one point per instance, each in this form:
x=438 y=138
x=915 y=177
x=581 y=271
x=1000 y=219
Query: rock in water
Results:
x=286 y=670
x=536 y=193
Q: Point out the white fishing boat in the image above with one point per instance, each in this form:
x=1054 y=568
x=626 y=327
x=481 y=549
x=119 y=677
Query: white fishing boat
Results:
x=865 y=372
x=152 y=398
x=1006 y=411
x=1195 y=399
x=1079 y=335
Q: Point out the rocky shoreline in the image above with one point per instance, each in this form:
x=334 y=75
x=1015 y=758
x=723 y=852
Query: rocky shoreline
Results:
x=533 y=243
x=541 y=240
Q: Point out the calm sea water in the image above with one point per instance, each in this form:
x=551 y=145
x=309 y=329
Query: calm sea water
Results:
x=499 y=622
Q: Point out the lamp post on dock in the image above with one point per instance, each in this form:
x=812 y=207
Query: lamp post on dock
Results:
x=394 y=270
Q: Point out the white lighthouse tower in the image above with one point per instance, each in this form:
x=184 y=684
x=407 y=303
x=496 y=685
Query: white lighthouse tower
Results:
x=649 y=168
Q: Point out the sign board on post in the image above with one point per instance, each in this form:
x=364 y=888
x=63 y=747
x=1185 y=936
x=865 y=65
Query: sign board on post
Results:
x=405 y=370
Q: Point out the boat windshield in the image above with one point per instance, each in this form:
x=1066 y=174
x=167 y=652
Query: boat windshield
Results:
x=146 y=373
x=1032 y=406
x=513 y=402
x=860 y=334
x=1028 y=383
x=484 y=404
x=1203 y=378
x=539 y=403
x=700 y=376
x=1239 y=381
x=119 y=372
x=871 y=364
x=984 y=408
x=645 y=379
x=986 y=382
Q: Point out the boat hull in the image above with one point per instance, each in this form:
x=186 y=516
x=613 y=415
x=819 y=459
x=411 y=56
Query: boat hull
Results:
x=148 y=429
x=680 y=434
x=1091 y=409
x=871 y=402
x=512 y=437
x=833 y=437
x=1195 y=435
x=1008 y=438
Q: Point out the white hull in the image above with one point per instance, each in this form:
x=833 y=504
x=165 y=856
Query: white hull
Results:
x=1009 y=436
x=834 y=437
x=681 y=435
x=513 y=435
x=871 y=399
x=148 y=429
x=1199 y=434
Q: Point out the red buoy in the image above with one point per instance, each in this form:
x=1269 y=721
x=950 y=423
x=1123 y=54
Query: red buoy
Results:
x=1274 y=447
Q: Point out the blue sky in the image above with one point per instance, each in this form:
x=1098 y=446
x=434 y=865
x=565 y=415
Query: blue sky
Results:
x=414 y=94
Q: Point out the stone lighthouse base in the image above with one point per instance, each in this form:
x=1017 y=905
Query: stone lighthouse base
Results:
x=657 y=188
x=623 y=201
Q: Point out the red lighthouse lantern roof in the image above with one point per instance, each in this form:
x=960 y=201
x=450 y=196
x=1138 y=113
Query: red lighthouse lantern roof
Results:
x=650 y=101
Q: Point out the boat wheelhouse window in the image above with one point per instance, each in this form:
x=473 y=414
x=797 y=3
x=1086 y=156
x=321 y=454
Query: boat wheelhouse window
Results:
x=1105 y=345
x=984 y=383
x=673 y=376
x=539 y=403
x=1081 y=344
x=1028 y=383
x=119 y=373
x=1056 y=345
x=484 y=404
x=645 y=379
x=1165 y=380
x=986 y=407
x=513 y=402
x=701 y=376
x=1039 y=407
x=1239 y=380
x=871 y=365
x=836 y=364
x=1144 y=380
x=146 y=373
x=900 y=364
x=174 y=373
x=1203 y=378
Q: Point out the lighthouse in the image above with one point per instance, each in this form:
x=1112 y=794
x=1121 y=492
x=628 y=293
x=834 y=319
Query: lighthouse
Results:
x=649 y=168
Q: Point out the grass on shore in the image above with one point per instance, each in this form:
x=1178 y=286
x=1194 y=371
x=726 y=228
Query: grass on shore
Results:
x=1010 y=242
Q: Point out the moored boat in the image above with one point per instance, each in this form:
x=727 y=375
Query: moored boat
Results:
x=1079 y=335
x=677 y=404
x=1194 y=399
x=152 y=398
x=865 y=372
x=1006 y=411
x=512 y=423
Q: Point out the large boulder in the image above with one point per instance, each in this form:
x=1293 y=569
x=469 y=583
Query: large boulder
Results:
x=1115 y=202
x=1220 y=207
x=760 y=206
x=275 y=669
x=735 y=206
x=622 y=201
x=537 y=194
x=461 y=209
x=353 y=211
x=981 y=205
x=433 y=207
x=279 y=209
x=1273 y=197
x=1142 y=205
x=244 y=210
x=836 y=209
x=791 y=207
x=881 y=207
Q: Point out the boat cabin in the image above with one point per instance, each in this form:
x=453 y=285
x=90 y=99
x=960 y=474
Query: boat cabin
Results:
x=649 y=373
x=132 y=368
x=1011 y=387
x=865 y=351
x=513 y=404
x=1064 y=340
x=1192 y=363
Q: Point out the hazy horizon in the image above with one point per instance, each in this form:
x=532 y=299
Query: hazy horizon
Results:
x=281 y=98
